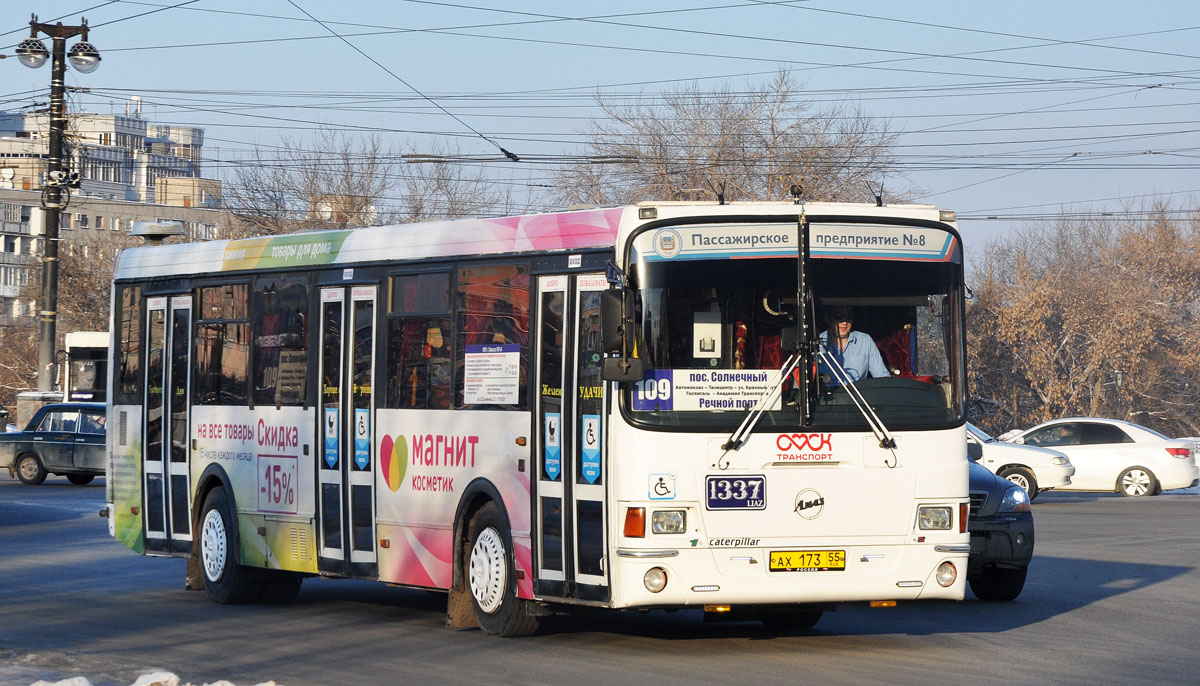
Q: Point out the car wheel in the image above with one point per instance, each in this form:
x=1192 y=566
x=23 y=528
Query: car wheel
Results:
x=1137 y=481
x=225 y=581
x=30 y=470
x=80 y=479
x=800 y=620
x=491 y=579
x=999 y=583
x=1021 y=477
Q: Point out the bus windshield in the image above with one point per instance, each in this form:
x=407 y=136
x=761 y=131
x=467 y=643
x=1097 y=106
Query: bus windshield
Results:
x=710 y=329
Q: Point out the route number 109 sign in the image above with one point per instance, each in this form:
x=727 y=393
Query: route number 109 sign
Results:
x=703 y=390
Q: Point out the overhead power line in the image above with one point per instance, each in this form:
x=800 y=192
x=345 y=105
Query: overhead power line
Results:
x=507 y=154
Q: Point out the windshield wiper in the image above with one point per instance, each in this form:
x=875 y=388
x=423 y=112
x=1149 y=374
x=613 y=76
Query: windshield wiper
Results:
x=738 y=437
x=886 y=440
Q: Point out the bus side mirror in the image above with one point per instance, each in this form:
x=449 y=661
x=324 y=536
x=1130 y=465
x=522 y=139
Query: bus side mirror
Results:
x=616 y=336
x=612 y=326
x=623 y=369
x=974 y=451
x=790 y=339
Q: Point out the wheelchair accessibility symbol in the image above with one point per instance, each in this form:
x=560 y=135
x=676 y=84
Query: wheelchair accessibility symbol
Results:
x=661 y=487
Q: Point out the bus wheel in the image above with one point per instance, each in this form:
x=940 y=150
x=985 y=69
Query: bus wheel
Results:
x=30 y=470
x=491 y=580
x=80 y=479
x=800 y=620
x=225 y=581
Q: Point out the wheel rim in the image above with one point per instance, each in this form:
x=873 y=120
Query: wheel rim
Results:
x=213 y=545
x=1020 y=480
x=488 y=570
x=1136 y=482
x=29 y=468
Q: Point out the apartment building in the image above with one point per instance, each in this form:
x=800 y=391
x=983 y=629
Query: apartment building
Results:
x=128 y=170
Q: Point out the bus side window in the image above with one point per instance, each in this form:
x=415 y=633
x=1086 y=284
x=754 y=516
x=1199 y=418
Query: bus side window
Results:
x=418 y=342
x=221 y=345
x=280 y=341
x=128 y=376
x=418 y=362
x=492 y=307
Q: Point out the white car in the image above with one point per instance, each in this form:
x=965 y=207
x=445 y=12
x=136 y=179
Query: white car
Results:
x=1117 y=456
x=1034 y=469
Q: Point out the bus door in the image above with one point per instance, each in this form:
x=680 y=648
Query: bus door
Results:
x=166 y=485
x=570 y=500
x=345 y=461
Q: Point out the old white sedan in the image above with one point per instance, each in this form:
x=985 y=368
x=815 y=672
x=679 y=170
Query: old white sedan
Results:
x=1117 y=456
x=1034 y=469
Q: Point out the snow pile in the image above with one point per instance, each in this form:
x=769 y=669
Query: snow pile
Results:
x=153 y=679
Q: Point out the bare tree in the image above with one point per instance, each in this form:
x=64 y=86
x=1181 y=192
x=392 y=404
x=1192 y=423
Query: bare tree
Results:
x=84 y=283
x=441 y=183
x=18 y=363
x=1095 y=318
x=743 y=145
x=337 y=181
x=333 y=182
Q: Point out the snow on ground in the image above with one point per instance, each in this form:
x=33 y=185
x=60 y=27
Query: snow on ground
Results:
x=153 y=679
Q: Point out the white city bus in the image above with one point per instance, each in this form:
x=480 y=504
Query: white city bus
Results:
x=618 y=408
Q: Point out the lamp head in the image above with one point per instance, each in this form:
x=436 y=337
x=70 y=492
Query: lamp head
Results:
x=32 y=53
x=84 y=57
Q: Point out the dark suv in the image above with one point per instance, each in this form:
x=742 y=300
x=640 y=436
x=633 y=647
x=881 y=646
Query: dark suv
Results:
x=1001 y=527
x=62 y=438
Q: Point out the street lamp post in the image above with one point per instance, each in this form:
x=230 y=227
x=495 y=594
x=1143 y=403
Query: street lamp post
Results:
x=84 y=57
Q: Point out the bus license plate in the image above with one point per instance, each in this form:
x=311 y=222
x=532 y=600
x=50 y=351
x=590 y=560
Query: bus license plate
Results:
x=734 y=492
x=808 y=560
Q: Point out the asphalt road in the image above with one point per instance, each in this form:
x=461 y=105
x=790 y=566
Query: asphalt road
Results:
x=1113 y=597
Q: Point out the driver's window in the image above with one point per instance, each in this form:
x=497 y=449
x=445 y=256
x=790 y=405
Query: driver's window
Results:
x=93 y=423
x=1059 y=434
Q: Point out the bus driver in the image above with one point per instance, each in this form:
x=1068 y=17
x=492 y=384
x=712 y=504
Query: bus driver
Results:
x=855 y=351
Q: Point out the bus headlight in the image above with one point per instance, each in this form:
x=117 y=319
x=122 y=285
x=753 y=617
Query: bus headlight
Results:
x=937 y=518
x=668 y=521
x=946 y=574
x=655 y=579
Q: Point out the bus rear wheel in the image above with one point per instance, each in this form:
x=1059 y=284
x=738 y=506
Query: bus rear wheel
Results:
x=491 y=579
x=225 y=581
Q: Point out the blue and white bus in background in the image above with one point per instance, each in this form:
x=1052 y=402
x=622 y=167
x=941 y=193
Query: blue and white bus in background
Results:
x=85 y=375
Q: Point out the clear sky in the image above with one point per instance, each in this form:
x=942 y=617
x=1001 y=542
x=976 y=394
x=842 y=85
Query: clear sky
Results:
x=1008 y=112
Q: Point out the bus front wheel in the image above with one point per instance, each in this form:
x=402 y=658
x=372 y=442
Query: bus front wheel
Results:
x=491 y=579
x=225 y=580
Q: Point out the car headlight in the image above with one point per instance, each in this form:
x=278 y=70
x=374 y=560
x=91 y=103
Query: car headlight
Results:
x=1015 y=500
x=937 y=518
x=1061 y=459
x=668 y=521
